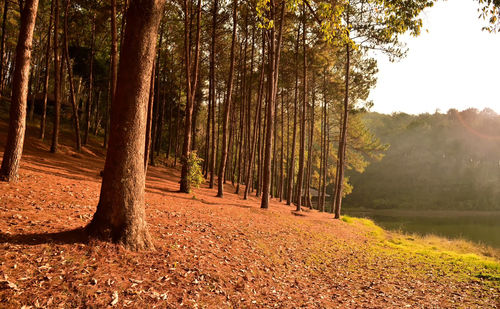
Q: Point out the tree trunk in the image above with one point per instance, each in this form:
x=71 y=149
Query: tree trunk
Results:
x=274 y=60
x=291 y=173
x=300 y=176
x=343 y=137
x=282 y=149
x=88 y=107
x=212 y=84
x=178 y=120
x=35 y=81
x=57 y=82
x=325 y=144
x=149 y=119
x=17 y=121
x=76 y=122
x=2 y=44
x=120 y=215
x=310 y=150
x=255 y=124
x=191 y=83
x=155 y=105
x=243 y=90
x=47 y=75
x=227 y=106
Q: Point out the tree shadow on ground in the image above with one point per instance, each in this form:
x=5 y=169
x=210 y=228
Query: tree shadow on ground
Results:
x=75 y=236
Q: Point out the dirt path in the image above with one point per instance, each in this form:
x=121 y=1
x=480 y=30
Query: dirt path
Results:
x=210 y=252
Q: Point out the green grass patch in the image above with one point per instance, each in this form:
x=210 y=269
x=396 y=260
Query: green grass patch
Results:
x=459 y=258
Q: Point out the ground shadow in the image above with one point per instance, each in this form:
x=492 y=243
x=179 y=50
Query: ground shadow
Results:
x=65 y=237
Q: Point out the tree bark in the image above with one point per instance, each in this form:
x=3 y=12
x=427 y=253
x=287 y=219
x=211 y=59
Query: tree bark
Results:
x=47 y=75
x=227 y=106
x=343 y=138
x=212 y=84
x=76 y=122
x=291 y=172
x=57 y=82
x=256 y=124
x=88 y=106
x=280 y=191
x=2 y=43
x=191 y=84
x=274 y=60
x=120 y=215
x=149 y=119
x=243 y=90
x=17 y=122
x=113 y=71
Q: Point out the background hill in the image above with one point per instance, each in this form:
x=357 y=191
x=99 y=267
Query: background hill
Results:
x=435 y=161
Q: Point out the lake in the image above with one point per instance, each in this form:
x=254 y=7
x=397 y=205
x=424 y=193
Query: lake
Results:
x=479 y=227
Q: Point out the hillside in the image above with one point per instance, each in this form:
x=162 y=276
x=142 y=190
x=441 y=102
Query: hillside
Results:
x=434 y=161
x=214 y=253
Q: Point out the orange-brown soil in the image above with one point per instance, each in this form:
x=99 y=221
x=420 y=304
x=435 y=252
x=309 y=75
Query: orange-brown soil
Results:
x=210 y=252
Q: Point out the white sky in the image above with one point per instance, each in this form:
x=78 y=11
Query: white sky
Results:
x=453 y=65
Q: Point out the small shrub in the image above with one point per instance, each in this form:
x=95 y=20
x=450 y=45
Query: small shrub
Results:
x=195 y=174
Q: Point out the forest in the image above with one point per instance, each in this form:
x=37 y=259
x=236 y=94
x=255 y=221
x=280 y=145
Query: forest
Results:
x=268 y=96
x=462 y=145
x=197 y=154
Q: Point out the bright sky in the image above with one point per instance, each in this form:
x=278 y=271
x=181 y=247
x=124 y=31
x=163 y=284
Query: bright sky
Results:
x=453 y=65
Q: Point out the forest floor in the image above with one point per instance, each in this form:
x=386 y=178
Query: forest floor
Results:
x=212 y=252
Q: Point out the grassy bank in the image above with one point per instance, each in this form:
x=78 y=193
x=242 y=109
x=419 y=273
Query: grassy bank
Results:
x=463 y=259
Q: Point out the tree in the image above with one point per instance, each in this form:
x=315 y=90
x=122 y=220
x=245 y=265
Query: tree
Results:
x=191 y=86
x=17 y=122
x=47 y=74
x=291 y=171
x=57 y=82
x=212 y=99
x=300 y=176
x=88 y=106
x=360 y=30
x=490 y=10
x=120 y=214
x=2 y=43
x=227 y=107
x=76 y=120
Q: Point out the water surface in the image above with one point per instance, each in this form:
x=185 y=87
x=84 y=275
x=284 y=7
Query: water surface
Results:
x=479 y=227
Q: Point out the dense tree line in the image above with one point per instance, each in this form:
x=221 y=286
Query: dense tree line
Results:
x=435 y=161
x=270 y=94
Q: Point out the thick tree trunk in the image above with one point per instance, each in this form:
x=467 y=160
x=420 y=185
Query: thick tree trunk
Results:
x=17 y=121
x=227 y=106
x=120 y=215
x=76 y=122
x=57 y=82
x=47 y=75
